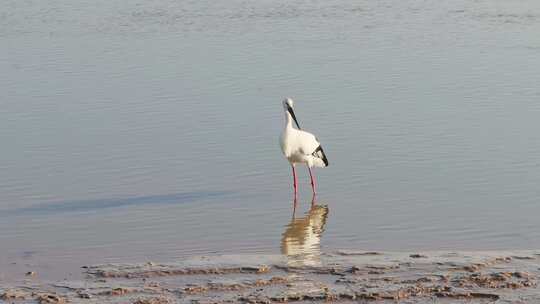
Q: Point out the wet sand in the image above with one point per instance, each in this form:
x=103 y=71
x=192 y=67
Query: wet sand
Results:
x=340 y=276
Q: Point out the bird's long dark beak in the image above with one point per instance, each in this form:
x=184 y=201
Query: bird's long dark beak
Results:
x=290 y=110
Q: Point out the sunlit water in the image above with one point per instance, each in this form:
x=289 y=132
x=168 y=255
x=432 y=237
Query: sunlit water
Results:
x=146 y=130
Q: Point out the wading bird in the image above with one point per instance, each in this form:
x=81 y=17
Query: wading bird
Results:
x=300 y=147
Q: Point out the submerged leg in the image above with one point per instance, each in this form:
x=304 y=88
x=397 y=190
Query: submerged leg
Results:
x=295 y=203
x=312 y=180
x=295 y=181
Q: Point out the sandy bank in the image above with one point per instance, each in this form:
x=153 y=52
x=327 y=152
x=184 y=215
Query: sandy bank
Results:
x=343 y=276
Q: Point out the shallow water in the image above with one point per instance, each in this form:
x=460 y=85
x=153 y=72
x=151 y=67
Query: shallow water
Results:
x=134 y=130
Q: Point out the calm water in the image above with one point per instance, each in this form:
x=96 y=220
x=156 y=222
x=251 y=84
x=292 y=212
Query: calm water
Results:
x=135 y=130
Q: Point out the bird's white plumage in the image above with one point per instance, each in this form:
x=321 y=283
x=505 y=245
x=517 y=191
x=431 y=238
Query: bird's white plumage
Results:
x=300 y=146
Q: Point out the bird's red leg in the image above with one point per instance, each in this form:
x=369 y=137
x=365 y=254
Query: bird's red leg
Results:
x=312 y=180
x=295 y=183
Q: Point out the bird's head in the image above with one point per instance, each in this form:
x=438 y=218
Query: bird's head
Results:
x=288 y=106
x=288 y=103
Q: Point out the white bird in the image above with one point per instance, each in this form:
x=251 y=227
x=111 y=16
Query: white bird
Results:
x=300 y=147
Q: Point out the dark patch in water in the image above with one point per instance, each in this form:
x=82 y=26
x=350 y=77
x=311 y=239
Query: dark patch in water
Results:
x=28 y=254
x=97 y=204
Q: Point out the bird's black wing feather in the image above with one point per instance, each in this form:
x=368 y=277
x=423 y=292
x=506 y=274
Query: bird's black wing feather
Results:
x=319 y=153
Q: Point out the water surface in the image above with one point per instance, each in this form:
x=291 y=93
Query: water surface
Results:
x=137 y=130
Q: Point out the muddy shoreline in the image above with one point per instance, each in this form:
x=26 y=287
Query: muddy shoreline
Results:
x=340 y=276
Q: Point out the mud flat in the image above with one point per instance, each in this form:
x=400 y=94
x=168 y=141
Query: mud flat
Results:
x=342 y=276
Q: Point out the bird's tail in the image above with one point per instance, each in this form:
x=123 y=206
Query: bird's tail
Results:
x=319 y=159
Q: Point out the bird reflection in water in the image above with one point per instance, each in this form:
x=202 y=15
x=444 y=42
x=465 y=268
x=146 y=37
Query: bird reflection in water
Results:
x=301 y=241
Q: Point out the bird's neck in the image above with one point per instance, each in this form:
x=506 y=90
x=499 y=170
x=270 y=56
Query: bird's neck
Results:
x=288 y=120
